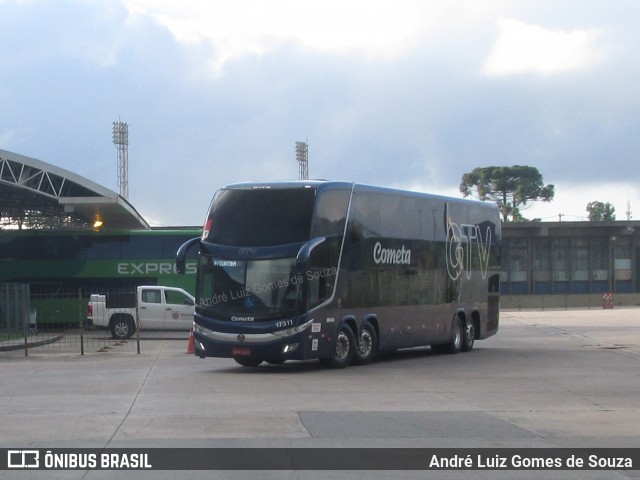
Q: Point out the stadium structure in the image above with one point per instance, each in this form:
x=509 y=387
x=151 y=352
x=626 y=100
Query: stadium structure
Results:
x=36 y=194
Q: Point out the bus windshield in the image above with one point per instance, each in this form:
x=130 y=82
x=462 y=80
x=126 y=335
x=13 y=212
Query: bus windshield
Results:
x=246 y=289
x=260 y=217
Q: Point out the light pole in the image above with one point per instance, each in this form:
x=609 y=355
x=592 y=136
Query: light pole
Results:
x=121 y=141
x=302 y=156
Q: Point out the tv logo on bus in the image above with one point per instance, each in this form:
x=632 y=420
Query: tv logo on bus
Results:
x=467 y=247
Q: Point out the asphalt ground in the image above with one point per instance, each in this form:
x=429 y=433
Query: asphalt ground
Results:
x=548 y=379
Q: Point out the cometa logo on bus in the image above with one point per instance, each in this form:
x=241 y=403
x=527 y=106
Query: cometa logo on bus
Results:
x=394 y=256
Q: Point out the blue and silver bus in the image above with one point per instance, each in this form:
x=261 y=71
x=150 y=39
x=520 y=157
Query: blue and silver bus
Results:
x=341 y=272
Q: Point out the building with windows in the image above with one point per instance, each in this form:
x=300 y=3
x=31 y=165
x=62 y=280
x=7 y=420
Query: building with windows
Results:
x=556 y=264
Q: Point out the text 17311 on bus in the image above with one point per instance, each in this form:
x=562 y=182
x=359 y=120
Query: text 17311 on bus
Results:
x=340 y=272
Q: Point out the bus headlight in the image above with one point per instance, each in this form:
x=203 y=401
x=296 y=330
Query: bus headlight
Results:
x=202 y=330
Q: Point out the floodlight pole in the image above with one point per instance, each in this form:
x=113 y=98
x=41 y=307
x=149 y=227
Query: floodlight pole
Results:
x=121 y=141
x=302 y=156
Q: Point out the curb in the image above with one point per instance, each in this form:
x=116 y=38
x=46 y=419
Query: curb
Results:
x=39 y=343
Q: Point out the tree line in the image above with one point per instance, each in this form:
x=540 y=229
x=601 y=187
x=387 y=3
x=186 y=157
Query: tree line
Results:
x=514 y=188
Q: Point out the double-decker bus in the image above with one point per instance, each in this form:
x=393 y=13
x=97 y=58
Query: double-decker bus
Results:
x=61 y=265
x=339 y=272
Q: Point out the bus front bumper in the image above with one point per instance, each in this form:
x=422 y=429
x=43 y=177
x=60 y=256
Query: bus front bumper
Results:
x=284 y=344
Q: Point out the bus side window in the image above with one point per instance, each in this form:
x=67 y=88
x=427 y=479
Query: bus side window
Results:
x=355 y=233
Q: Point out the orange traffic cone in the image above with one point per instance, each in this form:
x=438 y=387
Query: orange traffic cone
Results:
x=190 y=345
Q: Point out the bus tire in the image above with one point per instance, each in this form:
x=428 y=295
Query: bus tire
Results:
x=367 y=345
x=454 y=345
x=345 y=349
x=469 y=336
x=248 y=361
x=121 y=327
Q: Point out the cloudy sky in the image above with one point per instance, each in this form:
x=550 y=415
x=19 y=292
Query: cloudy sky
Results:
x=400 y=93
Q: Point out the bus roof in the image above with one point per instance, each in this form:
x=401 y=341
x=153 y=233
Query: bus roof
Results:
x=331 y=184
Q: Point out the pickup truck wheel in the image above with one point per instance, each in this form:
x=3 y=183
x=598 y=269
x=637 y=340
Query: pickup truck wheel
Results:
x=122 y=327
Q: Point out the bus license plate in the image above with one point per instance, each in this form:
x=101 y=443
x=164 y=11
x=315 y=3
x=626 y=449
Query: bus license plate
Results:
x=241 y=352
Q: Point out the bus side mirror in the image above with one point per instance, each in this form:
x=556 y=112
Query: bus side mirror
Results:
x=181 y=255
x=305 y=251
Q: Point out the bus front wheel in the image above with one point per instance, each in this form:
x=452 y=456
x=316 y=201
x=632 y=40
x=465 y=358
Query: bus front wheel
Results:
x=345 y=349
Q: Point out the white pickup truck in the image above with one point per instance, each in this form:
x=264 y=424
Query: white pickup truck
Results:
x=157 y=308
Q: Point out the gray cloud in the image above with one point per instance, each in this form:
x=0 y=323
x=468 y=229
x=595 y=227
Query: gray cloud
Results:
x=423 y=116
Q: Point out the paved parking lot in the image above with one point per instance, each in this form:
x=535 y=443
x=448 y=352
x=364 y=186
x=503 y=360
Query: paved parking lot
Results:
x=548 y=379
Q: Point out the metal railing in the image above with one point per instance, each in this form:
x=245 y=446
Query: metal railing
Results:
x=55 y=322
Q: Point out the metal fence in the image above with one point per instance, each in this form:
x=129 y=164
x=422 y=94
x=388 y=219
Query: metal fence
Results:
x=589 y=301
x=52 y=321
x=15 y=319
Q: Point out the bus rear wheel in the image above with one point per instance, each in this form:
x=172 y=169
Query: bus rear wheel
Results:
x=454 y=345
x=344 y=351
x=469 y=336
x=367 y=345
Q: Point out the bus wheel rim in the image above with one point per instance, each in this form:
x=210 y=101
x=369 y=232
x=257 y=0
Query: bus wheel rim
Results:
x=470 y=334
x=366 y=343
x=342 y=346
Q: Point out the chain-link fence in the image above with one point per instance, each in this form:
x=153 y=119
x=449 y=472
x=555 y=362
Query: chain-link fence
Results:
x=55 y=321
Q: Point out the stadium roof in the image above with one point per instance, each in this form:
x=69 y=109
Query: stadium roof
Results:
x=39 y=193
